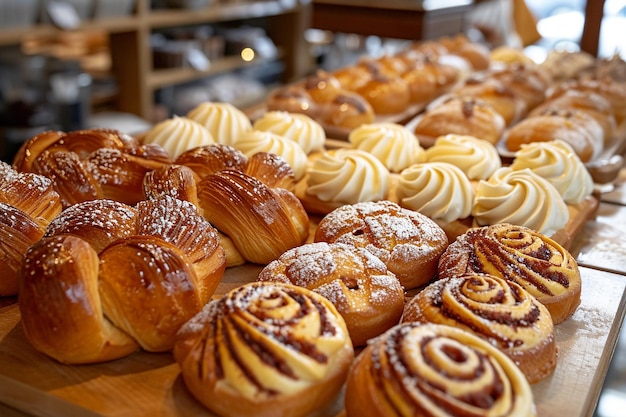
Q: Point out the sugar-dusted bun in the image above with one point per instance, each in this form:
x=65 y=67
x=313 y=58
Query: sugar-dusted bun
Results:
x=292 y=99
x=438 y=190
x=557 y=162
x=519 y=254
x=520 y=197
x=178 y=134
x=322 y=86
x=433 y=369
x=300 y=128
x=496 y=309
x=496 y=93
x=347 y=110
x=224 y=121
x=108 y=278
x=255 y=141
x=462 y=116
x=393 y=144
x=408 y=242
x=387 y=95
x=264 y=350
x=581 y=131
x=343 y=176
x=263 y=222
x=367 y=295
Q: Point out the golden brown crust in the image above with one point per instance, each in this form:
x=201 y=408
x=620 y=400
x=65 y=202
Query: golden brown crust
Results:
x=207 y=160
x=292 y=99
x=347 y=110
x=462 y=116
x=322 y=86
x=408 y=242
x=499 y=311
x=537 y=263
x=429 y=369
x=367 y=295
x=265 y=349
x=178 y=181
x=496 y=93
x=109 y=278
x=386 y=95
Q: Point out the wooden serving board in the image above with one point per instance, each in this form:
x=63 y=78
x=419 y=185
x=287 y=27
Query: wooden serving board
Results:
x=148 y=384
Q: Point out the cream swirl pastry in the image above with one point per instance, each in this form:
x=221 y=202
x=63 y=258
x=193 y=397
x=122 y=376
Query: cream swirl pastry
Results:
x=347 y=176
x=300 y=128
x=557 y=162
x=393 y=144
x=438 y=190
x=265 y=349
x=477 y=158
x=225 y=121
x=179 y=134
x=522 y=198
x=255 y=141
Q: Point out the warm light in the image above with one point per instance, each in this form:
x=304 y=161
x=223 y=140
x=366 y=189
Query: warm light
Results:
x=247 y=54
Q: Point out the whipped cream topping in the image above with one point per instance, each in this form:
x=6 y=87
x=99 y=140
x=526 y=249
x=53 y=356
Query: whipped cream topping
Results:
x=522 y=198
x=255 y=141
x=557 y=162
x=179 y=134
x=225 y=121
x=393 y=144
x=300 y=128
x=438 y=190
x=477 y=158
x=348 y=176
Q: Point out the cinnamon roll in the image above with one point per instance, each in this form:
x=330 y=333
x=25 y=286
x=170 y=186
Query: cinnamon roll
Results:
x=500 y=311
x=265 y=349
x=432 y=369
x=519 y=254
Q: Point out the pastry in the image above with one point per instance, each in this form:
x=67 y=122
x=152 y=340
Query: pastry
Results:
x=367 y=295
x=343 y=176
x=423 y=83
x=557 y=162
x=432 y=369
x=438 y=190
x=391 y=143
x=500 y=96
x=520 y=197
x=581 y=131
x=300 y=128
x=352 y=77
x=108 y=278
x=225 y=122
x=476 y=53
x=519 y=254
x=500 y=311
x=322 y=86
x=265 y=349
x=387 y=95
x=477 y=158
x=348 y=110
x=91 y=164
x=178 y=134
x=207 y=160
x=292 y=99
x=408 y=242
x=263 y=222
x=462 y=116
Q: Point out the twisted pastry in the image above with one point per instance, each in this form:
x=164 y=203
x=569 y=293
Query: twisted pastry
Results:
x=500 y=311
x=265 y=349
x=28 y=203
x=367 y=295
x=537 y=263
x=432 y=369
x=108 y=278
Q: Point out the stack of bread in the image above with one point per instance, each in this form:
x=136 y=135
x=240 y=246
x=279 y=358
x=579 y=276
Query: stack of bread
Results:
x=389 y=270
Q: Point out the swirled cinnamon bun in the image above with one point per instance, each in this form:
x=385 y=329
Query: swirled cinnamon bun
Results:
x=519 y=254
x=496 y=309
x=431 y=369
x=408 y=242
x=367 y=295
x=265 y=349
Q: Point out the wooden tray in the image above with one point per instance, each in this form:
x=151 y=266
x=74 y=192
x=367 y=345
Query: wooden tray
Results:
x=147 y=384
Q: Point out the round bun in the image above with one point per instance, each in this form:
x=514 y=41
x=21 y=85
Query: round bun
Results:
x=408 y=242
x=348 y=110
x=499 y=311
x=386 y=94
x=264 y=350
x=322 y=86
x=537 y=263
x=367 y=295
x=498 y=95
x=433 y=369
